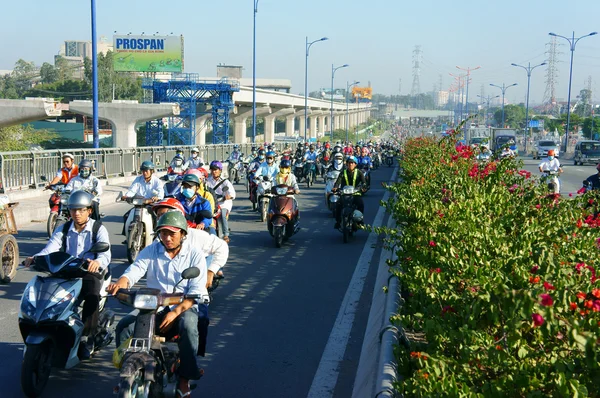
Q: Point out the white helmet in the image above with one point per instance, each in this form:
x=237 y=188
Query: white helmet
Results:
x=68 y=155
x=195 y=149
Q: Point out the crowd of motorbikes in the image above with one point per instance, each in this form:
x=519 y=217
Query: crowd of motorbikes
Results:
x=50 y=310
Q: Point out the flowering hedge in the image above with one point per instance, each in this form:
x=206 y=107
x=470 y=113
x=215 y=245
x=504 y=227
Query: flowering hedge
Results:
x=499 y=278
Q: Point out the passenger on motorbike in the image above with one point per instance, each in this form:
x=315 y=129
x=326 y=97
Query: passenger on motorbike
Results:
x=171 y=252
x=349 y=177
x=337 y=164
x=194 y=161
x=65 y=173
x=87 y=182
x=286 y=177
x=193 y=203
x=223 y=188
x=78 y=240
x=177 y=165
x=268 y=168
x=594 y=180
x=202 y=175
x=299 y=151
x=365 y=160
x=348 y=149
x=552 y=165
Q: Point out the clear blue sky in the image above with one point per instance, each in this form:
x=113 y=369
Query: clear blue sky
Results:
x=375 y=37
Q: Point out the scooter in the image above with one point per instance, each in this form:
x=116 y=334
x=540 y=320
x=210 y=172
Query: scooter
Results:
x=283 y=214
x=172 y=184
x=376 y=160
x=59 y=212
x=389 y=158
x=299 y=169
x=50 y=320
x=330 y=179
x=263 y=193
x=351 y=217
x=139 y=226
x=551 y=177
x=151 y=363
x=367 y=173
x=233 y=170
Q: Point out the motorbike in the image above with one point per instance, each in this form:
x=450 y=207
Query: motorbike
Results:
x=376 y=160
x=310 y=172
x=551 y=178
x=59 y=212
x=139 y=226
x=330 y=179
x=351 y=217
x=172 y=184
x=367 y=172
x=150 y=363
x=234 y=170
x=50 y=320
x=389 y=158
x=263 y=194
x=282 y=212
x=299 y=169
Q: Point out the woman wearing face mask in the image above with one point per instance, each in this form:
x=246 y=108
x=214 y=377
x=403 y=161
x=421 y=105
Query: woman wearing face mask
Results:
x=193 y=203
x=552 y=168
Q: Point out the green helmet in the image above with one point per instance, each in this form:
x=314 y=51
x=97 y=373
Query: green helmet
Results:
x=173 y=221
x=147 y=165
x=191 y=178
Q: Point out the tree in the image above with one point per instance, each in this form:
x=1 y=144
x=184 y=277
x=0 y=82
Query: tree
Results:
x=48 y=73
x=22 y=138
x=583 y=106
x=514 y=116
x=8 y=87
x=24 y=72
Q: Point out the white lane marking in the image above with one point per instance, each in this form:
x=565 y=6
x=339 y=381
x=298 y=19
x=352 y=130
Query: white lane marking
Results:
x=325 y=379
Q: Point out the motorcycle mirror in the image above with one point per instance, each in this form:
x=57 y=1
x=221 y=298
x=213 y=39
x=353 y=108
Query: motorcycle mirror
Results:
x=43 y=178
x=206 y=214
x=190 y=273
x=99 y=247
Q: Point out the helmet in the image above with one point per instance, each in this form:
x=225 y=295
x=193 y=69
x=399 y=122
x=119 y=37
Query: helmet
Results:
x=147 y=165
x=85 y=163
x=171 y=203
x=327 y=145
x=337 y=148
x=338 y=156
x=285 y=163
x=191 y=179
x=351 y=159
x=80 y=200
x=306 y=144
x=236 y=147
x=269 y=148
x=270 y=154
x=195 y=149
x=200 y=173
x=215 y=164
x=173 y=221
x=551 y=152
x=68 y=155
x=287 y=145
x=179 y=150
x=85 y=168
x=299 y=145
x=365 y=151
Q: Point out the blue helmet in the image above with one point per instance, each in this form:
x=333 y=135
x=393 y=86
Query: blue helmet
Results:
x=351 y=159
x=270 y=154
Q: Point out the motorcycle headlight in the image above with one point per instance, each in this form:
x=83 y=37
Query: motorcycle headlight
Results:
x=260 y=190
x=138 y=201
x=334 y=198
x=172 y=177
x=281 y=191
x=145 y=302
x=56 y=310
x=28 y=302
x=348 y=190
x=64 y=199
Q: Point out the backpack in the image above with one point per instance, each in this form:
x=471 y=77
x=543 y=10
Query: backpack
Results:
x=67 y=226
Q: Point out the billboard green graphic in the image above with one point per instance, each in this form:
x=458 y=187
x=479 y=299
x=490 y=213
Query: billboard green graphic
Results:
x=148 y=53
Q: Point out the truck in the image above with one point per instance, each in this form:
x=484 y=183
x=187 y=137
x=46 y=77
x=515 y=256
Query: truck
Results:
x=501 y=137
x=478 y=136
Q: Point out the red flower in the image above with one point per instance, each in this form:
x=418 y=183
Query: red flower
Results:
x=534 y=279
x=534 y=269
x=537 y=206
x=581 y=190
x=432 y=243
x=448 y=308
x=570 y=195
x=579 y=223
x=499 y=347
x=581 y=295
x=573 y=306
x=435 y=270
x=596 y=292
x=548 y=286
x=596 y=306
x=546 y=300
x=538 y=320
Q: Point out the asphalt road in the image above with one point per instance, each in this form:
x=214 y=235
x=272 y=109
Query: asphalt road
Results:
x=270 y=319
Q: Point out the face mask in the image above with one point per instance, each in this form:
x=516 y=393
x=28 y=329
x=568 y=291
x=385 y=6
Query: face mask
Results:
x=550 y=157
x=194 y=155
x=84 y=173
x=188 y=192
x=261 y=157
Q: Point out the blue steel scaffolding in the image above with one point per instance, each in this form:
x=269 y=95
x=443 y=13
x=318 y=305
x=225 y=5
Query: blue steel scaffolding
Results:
x=188 y=91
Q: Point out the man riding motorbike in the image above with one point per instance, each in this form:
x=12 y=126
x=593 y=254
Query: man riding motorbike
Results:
x=337 y=164
x=75 y=238
x=87 y=182
x=300 y=151
x=267 y=168
x=310 y=156
x=551 y=167
x=234 y=157
x=177 y=165
x=364 y=162
x=349 y=177
x=194 y=204
x=64 y=175
x=194 y=161
x=224 y=189
x=163 y=262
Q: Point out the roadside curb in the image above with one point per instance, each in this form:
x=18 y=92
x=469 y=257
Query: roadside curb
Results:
x=376 y=370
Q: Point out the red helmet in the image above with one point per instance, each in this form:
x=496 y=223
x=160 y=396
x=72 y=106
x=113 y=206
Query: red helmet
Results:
x=200 y=173
x=171 y=203
x=327 y=145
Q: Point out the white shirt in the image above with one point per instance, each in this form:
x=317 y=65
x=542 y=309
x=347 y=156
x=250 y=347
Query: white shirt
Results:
x=148 y=190
x=78 y=243
x=550 y=165
x=163 y=273
x=212 y=183
x=89 y=184
x=211 y=245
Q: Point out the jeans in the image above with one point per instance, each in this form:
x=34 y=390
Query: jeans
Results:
x=90 y=293
x=224 y=222
x=192 y=328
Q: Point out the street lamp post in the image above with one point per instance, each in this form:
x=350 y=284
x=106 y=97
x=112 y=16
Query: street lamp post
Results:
x=487 y=99
x=503 y=88
x=468 y=70
x=96 y=137
x=308 y=45
x=254 y=73
x=347 y=114
x=528 y=69
x=572 y=43
x=333 y=69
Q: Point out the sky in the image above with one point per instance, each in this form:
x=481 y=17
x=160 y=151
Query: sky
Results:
x=376 y=38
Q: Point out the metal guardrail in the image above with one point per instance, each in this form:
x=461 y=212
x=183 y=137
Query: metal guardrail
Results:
x=24 y=169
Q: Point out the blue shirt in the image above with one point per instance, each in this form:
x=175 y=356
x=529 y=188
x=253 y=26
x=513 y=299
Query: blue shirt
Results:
x=311 y=156
x=193 y=208
x=266 y=170
x=364 y=161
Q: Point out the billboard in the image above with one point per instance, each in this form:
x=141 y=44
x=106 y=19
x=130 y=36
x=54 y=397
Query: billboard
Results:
x=148 y=53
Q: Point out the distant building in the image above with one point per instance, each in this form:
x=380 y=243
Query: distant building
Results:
x=441 y=98
x=75 y=52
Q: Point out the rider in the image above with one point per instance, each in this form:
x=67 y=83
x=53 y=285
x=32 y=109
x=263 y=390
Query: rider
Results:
x=310 y=156
x=147 y=185
x=87 y=182
x=594 y=180
x=338 y=162
x=287 y=150
x=177 y=166
x=552 y=165
x=348 y=150
x=268 y=168
x=234 y=157
x=64 y=175
x=299 y=151
x=223 y=188
x=349 y=177
x=194 y=203
x=194 y=161
x=81 y=234
x=163 y=262
x=365 y=161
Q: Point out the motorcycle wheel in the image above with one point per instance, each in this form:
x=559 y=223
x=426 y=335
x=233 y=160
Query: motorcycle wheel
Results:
x=134 y=386
x=278 y=235
x=345 y=231
x=253 y=206
x=35 y=369
x=263 y=212
x=51 y=224
x=135 y=242
x=9 y=249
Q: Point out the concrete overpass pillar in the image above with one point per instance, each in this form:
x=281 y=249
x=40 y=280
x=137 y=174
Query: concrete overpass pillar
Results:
x=290 y=125
x=302 y=123
x=270 y=128
x=323 y=125
x=201 y=128
x=313 y=126
x=239 y=124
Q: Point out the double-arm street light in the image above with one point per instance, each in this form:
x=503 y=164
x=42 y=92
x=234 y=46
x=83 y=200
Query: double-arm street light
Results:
x=487 y=99
x=254 y=73
x=572 y=43
x=347 y=114
x=528 y=69
x=503 y=88
x=333 y=69
x=96 y=137
x=468 y=70
x=308 y=45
